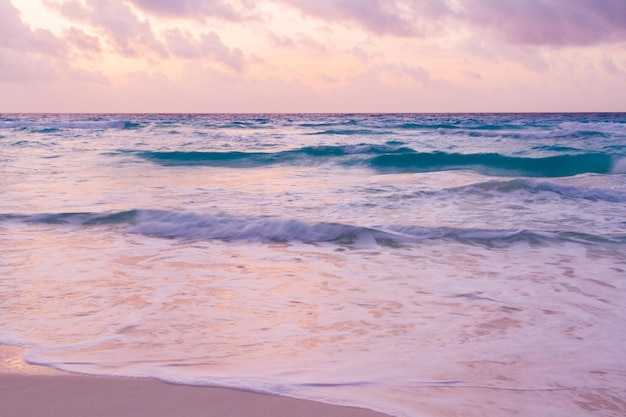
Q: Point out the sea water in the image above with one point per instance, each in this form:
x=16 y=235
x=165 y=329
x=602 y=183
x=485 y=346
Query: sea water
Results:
x=420 y=265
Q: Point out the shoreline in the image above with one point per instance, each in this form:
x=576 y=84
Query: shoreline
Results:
x=38 y=391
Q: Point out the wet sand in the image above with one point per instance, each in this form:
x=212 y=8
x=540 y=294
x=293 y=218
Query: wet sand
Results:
x=36 y=391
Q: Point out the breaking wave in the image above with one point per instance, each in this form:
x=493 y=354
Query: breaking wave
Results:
x=388 y=159
x=496 y=164
x=236 y=159
x=195 y=226
x=495 y=188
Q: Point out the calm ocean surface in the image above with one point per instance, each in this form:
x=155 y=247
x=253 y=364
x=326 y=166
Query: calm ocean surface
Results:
x=419 y=265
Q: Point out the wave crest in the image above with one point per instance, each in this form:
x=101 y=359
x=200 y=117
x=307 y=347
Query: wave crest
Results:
x=495 y=164
x=238 y=159
x=53 y=126
x=194 y=226
x=390 y=158
x=494 y=188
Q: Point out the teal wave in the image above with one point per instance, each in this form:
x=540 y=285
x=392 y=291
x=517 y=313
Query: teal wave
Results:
x=495 y=164
x=237 y=159
x=392 y=158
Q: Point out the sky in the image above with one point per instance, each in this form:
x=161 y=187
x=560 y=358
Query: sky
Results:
x=267 y=56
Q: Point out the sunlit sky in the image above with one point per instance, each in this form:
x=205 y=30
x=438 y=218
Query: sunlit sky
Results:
x=312 y=55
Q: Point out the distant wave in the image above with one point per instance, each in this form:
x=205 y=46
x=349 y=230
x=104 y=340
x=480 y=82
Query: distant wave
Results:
x=464 y=125
x=603 y=128
x=528 y=130
x=52 y=126
x=472 y=126
x=495 y=188
x=457 y=126
x=348 y=132
x=194 y=226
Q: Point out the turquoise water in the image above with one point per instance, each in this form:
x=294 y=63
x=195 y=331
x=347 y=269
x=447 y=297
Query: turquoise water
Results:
x=413 y=264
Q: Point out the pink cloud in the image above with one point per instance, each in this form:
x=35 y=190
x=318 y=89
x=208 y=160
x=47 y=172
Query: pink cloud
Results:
x=28 y=55
x=79 y=39
x=549 y=22
x=17 y=67
x=613 y=69
x=328 y=79
x=189 y=8
x=361 y=54
x=472 y=75
x=527 y=56
x=528 y=22
x=417 y=73
x=208 y=45
x=383 y=17
x=373 y=15
x=134 y=37
x=297 y=40
x=15 y=35
x=69 y=8
x=130 y=35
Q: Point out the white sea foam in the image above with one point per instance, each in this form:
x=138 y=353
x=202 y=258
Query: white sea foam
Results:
x=354 y=327
x=532 y=187
x=603 y=127
x=193 y=226
x=619 y=166
x=356 y=149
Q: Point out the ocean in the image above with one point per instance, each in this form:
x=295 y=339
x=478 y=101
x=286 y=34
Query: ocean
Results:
x=414 y=264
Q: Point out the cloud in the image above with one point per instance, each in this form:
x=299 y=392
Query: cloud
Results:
x=526 y=56
x=471 y=75
x=361 y=54
x=328 y=79
x=127 y=33
x=208 y=45
x=15 y=35
x=132 y=37
x=527 y=22
x=298 y=40
x=613 y=69
x=26 y=54
x=19 y=67
x=189 y=8
x=79 y=39
x=24 y=68
x=415 y=73
x=548 y=22
x=383 y=17
x=72 y=9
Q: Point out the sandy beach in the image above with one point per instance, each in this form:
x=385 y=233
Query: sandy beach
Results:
x=36 y=391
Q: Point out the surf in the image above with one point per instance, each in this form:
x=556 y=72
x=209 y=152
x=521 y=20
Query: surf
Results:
x=188 y=226
x=243 y=159
x=495 y=164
